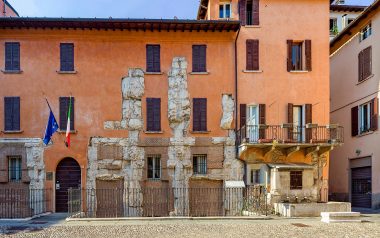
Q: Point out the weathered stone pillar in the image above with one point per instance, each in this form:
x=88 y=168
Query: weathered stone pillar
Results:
x=319 y=162
x=179 y=163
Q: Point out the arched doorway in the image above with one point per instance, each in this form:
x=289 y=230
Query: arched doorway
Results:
x=68 y=175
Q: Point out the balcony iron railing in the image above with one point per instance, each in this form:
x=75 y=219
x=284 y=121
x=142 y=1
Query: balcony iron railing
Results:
x=288 y=134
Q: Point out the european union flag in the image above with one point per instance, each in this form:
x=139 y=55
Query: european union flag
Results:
x=51 y=127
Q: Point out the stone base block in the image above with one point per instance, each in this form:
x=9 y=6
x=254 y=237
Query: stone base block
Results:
x=310 y=209
x=340 y=217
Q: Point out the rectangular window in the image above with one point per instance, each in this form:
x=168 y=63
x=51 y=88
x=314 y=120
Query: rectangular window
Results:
x=252 y=51
x=199 y=58
x=200 y=164
x=12 y=56
x=365 y=32
x=255 y=176
x=154 y=166
x=365 y=63
x=153 y=58
x=153 y=112
x=364 y=117
x=252 y=12
x=14 y=168
x=12 y=113
x=295 y=179
x=225 y=10
x=299 y=55
x=333 y=26
x=64 y=103
x=200 y=114
x=67 y=57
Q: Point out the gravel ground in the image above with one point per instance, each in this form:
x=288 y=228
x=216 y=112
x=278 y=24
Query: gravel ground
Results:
x=225 y=228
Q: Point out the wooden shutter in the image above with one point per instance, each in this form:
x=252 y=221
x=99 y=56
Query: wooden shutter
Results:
x=262 y=120
x=308 y=120
x=153 y=114
x=290 y=113
x=157 y=58
x=374 y=114
x=12 y=56
x=202 y=58
x=199 y=114
x=308 y=113
x=149 y=58
x=355 y=121
x=367 y=62
x=256 y=55
x=290 y=121
x=15 y=56
x=249 y=53
x=8 y=56
x=243 y=12
x=67 y=56
x=11 y=113
x=360 y=66
x=153 y=58
x=199 y=58
x=196 y=58
x=255 y=12
x=63 y=111
x=243 y=115
x=308 y=55
x=289 y=61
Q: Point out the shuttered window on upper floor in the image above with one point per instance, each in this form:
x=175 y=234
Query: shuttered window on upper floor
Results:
x=12 y=56
x=67 y=57
x=153 y=58
x=252 y=53
x=12 y=113
x=249 y=11
x=199 y=114
x=64 y=103
x=299 y=55
x=199 y=58
x=365 y=117
x=153 y=113
x=365 y=63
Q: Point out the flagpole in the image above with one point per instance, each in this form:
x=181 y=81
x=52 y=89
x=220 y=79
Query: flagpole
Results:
x=48 y=104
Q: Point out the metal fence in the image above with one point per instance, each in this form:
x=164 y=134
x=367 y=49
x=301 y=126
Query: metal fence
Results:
x=164 y=202
x=256 y=134
x=23 y=203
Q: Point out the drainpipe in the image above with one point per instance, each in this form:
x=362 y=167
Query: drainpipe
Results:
x=4 y=7
x=236 y=103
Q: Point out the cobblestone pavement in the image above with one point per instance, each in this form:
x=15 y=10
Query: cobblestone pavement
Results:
x=195 y=228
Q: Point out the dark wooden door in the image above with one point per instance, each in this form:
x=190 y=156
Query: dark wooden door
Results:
x=68 y=175
x=361 y=195
x=109 y=198
x=205 y=198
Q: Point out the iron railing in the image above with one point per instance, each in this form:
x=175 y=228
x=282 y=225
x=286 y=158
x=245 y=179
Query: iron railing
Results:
x=24 y=203
x=164 y=202
x=311 y=134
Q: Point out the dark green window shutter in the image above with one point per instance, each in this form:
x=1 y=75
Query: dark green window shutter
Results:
x=67 y=56
x=12 y=113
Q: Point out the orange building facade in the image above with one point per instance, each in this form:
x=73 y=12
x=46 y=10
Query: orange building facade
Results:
x=241 y=94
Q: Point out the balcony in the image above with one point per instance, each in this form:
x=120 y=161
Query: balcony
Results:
x=290 y=138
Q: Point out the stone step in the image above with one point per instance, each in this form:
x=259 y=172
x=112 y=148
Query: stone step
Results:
x=335 y=217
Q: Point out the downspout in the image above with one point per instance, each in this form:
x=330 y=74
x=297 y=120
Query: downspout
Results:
x=236 y=87
x=4 y=8
x=236 y=104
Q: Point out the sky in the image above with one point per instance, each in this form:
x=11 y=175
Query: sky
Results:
x=183 y=9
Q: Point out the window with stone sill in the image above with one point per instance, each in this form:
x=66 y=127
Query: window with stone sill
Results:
x=200 y=164
x=14 y=168
x=225 y=10
x=154 y=167
x=365 y=32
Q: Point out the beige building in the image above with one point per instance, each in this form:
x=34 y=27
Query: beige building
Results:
x=354 y=173
x=341 y=15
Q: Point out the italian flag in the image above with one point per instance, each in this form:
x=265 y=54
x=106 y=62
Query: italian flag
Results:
x=67 y=142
